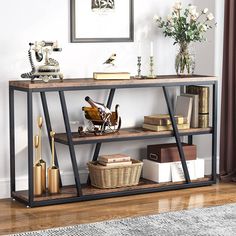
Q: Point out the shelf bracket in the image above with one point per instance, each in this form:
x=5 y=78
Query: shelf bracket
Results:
x=49 y=127
x=177 y=136
x=70 y=143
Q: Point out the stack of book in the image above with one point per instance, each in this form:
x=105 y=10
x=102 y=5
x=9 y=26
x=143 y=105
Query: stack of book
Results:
x=183 y=111
x=114 y=160
x=203 y=107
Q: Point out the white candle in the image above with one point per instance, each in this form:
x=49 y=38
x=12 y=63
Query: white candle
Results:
x=139 y=48
x=151 y=49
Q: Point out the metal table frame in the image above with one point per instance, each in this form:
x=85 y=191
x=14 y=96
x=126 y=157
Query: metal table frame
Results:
x=80 y=196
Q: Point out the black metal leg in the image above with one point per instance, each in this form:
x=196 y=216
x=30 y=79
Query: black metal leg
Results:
x=176 y=134
x=49 y=127
x=30 y=146
x=12 y=139
x=214 y=131
x=190 y=140
x=98 y=145
x=70 y=142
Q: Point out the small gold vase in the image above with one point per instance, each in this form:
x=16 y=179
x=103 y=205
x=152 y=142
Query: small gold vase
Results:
x=37 y=170
x=41 y=161
x=53 y=172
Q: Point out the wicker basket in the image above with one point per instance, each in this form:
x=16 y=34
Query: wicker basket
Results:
x=115 y=177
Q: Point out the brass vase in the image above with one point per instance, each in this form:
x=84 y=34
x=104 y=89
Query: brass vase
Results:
x=41 y=161
x=53 y=172
x=37 y=170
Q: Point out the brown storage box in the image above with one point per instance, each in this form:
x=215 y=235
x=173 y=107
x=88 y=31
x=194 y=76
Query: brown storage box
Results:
x=169 y=152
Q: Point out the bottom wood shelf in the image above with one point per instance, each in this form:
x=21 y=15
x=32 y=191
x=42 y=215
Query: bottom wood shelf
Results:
x=70 y=191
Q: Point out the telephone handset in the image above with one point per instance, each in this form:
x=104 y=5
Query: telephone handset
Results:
x=50 y=69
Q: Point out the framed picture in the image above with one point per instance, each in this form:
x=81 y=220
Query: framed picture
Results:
x=102 y=21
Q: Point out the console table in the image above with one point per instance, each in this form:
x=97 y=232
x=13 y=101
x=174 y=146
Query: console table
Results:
x=81 y=192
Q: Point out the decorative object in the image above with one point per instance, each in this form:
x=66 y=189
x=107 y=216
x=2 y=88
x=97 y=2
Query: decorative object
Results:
x=111 y=60
x=102 y=21
x=139 y=76
x=185 y=26
x=215 y=220
x=151 y=61
x=194 y=123
x=53 y=171
x=114 y=160
x=102 y=120
x=37 y=169
x=41 y=161
x=163 y=119
x=168 y=152
x=115 y=176
x=203 y=92
x=50 y=69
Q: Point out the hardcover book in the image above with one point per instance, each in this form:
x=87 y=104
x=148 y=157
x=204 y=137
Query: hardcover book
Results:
x=184 y=107
x=111 y=75
x=203 y=93
x=163 y=119
x=195 y=109
x=114 y=158
x=159 y=128
x=111 y=164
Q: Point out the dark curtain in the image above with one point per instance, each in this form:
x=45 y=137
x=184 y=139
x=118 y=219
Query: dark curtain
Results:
x=228 y=109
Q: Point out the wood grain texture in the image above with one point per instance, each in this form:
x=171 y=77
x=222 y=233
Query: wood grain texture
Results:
x=89 y=82
x=134 y=133
x=70 y=191
x=15 y=217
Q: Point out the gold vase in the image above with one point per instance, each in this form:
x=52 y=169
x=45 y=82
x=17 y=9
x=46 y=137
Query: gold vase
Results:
x=53 y=172
x=37 y=170
x=41 y=161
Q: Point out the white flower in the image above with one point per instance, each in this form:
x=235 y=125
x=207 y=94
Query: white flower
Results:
x=169 y=18
x=157 y=18
x=205 y=11
x=192 y=10
x=210 y=16
x=204 y=28
x=195 y=16
x=178 y=5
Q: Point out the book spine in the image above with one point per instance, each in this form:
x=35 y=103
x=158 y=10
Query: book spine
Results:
x=203 y=110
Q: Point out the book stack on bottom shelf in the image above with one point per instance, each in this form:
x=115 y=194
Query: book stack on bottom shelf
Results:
x=164 y=165
x=114 y=171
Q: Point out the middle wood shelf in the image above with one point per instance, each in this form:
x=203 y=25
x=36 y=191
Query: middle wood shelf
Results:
x=127 y=135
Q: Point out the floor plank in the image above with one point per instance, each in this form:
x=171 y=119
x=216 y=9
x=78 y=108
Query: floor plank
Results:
x=15 y=217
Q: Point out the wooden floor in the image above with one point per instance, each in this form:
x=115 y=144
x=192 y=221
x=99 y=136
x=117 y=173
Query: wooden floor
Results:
x=15 y=217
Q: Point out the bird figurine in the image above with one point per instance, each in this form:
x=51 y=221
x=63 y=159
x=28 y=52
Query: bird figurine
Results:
x=111 y=60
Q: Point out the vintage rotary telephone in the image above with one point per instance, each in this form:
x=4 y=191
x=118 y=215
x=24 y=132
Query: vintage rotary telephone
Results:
x=50 y=69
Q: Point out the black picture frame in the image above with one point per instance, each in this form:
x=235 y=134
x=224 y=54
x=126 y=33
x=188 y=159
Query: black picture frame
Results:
x=75 y=39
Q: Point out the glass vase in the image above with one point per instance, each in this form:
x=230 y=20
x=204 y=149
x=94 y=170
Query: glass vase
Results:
x=185 y=60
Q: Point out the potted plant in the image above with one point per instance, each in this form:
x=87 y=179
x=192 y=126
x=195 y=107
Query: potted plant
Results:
x=185 y=26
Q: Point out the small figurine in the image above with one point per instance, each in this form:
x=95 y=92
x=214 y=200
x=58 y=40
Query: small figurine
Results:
x=111 y=60
x=102 y=120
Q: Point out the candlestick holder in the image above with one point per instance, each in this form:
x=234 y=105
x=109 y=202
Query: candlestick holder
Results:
x=151 y=75
x=139 y=67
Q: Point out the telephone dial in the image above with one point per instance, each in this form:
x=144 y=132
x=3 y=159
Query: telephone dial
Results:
x=50 y=68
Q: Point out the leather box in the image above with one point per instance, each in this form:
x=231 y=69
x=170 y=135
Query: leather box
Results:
x=169 y=152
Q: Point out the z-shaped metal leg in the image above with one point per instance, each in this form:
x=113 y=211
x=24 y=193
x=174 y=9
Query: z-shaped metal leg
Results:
x=176 y=134
x=70 y=142
x=49 y=127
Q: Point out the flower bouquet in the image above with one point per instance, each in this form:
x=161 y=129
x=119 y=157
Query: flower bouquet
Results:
x=185 y=26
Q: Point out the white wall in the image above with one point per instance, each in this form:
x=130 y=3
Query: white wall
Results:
x=24 y=21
